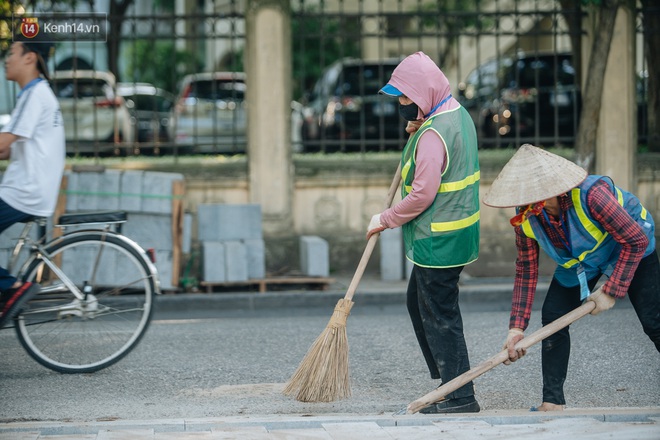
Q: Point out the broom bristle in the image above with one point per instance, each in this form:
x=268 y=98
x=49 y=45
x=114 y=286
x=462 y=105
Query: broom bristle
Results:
x=323 y=376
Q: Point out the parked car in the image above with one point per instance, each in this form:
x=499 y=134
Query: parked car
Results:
x=96 y=119
x=150 y=109
x=210 y=113
x=538 y=99
x=479 y=89
x=345 y=112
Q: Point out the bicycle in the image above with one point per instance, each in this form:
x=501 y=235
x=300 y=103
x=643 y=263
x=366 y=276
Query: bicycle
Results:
x=97 y=292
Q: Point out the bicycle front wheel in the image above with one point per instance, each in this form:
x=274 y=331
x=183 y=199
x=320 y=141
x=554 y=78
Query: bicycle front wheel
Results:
x=71 y=334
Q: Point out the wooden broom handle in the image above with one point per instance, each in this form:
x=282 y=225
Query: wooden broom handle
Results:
x=357 y=276
x=502 y=356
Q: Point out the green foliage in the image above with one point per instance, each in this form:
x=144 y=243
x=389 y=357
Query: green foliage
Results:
x=318 y=41
x=442 y=15
x=157 y=62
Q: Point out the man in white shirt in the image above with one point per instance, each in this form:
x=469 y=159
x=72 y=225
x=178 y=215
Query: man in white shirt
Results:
x=33 y=141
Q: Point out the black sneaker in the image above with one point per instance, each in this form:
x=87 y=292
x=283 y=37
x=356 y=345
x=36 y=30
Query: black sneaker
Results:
x=15 y=299
x=452 y=406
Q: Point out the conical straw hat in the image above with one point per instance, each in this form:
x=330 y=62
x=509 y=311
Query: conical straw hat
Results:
x=533 y=175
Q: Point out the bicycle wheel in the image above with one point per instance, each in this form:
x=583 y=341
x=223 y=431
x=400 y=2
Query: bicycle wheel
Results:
x=81 y=335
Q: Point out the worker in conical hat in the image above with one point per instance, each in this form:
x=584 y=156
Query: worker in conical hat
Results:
x=590 y=227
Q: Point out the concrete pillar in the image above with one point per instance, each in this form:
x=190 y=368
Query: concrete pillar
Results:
x=185 y=27
x=617 y=131
x=268 y=69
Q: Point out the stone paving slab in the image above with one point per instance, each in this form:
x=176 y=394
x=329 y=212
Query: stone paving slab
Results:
x=622 y=424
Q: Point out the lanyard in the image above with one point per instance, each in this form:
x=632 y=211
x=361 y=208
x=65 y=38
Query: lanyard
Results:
x=437 y=106
x=32 y=83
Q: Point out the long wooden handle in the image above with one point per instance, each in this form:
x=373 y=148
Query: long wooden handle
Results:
x=500 y=357
x=371 y=243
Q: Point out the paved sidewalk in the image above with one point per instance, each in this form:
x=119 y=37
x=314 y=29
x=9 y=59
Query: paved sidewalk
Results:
x=574 y=424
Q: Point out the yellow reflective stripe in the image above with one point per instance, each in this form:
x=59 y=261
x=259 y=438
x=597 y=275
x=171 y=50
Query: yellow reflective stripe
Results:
x=583 y=255
x=457 y=185
x=643 y=213
x=619 y=196
x=527 y=229
x=404 y=174
x=586 y=223
x=456 y=224
x=460 y=184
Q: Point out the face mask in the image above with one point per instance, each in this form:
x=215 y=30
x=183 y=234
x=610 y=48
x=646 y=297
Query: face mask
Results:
x=409 y=111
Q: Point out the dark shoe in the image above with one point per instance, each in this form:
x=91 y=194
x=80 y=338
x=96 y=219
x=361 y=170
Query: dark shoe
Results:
x=452 y=406
x=15 y=299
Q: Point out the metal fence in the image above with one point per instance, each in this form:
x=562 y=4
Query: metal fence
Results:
x=512 y=64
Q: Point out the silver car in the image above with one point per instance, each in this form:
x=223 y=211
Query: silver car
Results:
x=96 y=119
x=210 y=115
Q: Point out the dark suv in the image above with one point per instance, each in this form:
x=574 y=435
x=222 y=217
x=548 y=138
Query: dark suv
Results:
x=538 y=100
x=344 y=111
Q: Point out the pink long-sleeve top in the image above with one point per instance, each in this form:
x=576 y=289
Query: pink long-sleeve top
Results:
x=420 y=79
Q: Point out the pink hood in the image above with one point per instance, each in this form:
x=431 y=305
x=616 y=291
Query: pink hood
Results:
x=420 y=79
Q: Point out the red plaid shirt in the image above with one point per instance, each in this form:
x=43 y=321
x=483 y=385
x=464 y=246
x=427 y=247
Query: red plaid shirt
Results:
x=605 y=209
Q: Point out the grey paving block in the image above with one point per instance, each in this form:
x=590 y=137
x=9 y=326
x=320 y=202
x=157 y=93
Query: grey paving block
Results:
x=213 y=262
x=110 y=189
x=91 y=191
x=131 y=191
x=236 y=261
x=220 y=222
x=314 y=256
x=391 y=254
x=157 y=191
x=165 y=270
x=150 y=230
x=256 y=258
x=186 y=240
x=89 y=185
x=71 y=191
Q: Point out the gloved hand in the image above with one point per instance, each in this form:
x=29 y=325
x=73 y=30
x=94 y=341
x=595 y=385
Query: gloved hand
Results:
x=603 y=301
x=512 y=338
x=374 y=226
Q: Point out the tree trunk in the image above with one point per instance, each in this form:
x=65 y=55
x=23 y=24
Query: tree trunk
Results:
x=593 y=88
x=651 y=22
x=116 y=17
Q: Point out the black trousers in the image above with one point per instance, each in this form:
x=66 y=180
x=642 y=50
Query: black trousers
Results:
x=432 y=300
x=644 y=294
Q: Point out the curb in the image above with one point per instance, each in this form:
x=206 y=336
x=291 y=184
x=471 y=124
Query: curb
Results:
x=473 y=297
x=493 y=417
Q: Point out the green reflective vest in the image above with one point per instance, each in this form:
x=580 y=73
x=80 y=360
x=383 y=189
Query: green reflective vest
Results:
x=446 y=234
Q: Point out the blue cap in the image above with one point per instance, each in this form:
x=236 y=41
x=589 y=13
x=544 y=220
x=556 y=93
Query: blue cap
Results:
x=389 y=89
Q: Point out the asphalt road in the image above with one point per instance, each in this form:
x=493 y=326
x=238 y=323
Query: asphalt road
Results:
x=209 y=363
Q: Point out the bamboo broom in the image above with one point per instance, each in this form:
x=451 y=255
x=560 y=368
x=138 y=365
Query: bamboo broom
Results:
x=323 y=376
x=493 y=361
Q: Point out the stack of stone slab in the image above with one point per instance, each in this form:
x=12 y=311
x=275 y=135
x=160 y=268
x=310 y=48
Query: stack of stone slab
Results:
x=314 y=256
x=232 y=244
x=153 y=201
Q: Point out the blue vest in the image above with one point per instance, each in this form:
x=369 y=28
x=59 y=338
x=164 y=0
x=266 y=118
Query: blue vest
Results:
x=592 y=246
